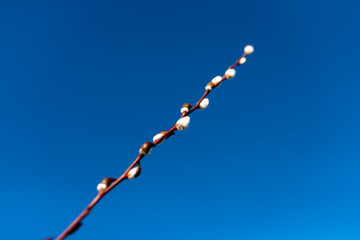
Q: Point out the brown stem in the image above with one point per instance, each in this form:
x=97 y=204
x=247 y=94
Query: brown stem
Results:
x=76 y=223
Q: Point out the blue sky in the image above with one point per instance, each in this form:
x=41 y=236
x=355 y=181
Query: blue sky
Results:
x=274 y=156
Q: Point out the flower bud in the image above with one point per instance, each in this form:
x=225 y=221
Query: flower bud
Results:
x=230 y=73
x=146 y=148
x=105 y=183
x=75 y=228
x=183 y=123
x=134 y=172
x=248 y=49
x=204 y=103
x=210 y=86
x=242 y=60
x=157 y=136
x=216 y=80
x=185 y=108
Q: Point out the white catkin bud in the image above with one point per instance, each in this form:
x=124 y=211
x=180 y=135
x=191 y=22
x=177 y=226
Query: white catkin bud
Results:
x=101 y=186
x=184 y=110
x=242 y=60
x=157 y=136
x=230 y=73
x=248 y=49
x=134 y=172
x=183 y=123
x=216 y=79
x=204 y=103
x=208 y=88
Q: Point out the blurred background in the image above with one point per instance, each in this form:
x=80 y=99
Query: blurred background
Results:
x=275 y=155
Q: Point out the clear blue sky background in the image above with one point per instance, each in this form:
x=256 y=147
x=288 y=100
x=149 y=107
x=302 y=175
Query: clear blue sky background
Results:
x=275 y=156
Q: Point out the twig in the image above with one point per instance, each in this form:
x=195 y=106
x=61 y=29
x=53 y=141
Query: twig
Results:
x=133 y=171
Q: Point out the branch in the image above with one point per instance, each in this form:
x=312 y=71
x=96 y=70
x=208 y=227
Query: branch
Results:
x=107 y=184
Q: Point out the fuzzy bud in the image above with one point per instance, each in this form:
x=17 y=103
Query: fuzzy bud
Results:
x=242 y=60
x=105 y=183
x=146 y=148
x=134 y=172
x=204 y=103
x=216 y=80
x=157 y=136
x=185 y=108
x=248 y=49
x=230 y=73
x=183 y=123
x=210 y=86
x=101 y=187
